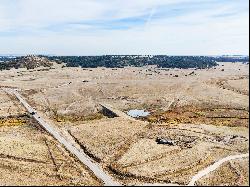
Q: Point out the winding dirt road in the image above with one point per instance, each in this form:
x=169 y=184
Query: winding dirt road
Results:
x=213 y=167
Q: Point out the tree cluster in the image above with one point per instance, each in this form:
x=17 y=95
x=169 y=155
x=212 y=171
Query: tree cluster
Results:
x=118 y=61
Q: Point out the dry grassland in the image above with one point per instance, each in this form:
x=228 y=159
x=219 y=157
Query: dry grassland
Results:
x=205 y=113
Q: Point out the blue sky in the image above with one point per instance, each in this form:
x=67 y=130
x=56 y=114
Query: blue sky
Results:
x=98 y=27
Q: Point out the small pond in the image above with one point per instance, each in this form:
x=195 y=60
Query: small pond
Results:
x=138 y=113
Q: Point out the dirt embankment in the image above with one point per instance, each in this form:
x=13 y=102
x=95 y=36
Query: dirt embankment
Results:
x=214 y=115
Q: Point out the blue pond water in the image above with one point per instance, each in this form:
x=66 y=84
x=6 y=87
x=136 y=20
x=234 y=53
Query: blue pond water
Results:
x=138 y=113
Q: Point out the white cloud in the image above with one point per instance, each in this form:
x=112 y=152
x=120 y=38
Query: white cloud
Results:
x=77 y=27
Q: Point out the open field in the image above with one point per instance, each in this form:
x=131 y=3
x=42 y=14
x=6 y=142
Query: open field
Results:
x=29 y=156
x=78 y=92
x=236 y=171
x=204 y=112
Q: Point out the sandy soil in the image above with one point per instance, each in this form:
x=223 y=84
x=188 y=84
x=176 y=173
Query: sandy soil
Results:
x=205 y=113
x=63 y=91
x=237 y=172
x=29 y=156
x=9 y=106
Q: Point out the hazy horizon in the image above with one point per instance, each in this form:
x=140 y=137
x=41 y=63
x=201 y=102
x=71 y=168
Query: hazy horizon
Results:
x=121 y=55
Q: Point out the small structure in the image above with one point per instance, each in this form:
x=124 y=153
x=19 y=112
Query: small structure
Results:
x=164 y=141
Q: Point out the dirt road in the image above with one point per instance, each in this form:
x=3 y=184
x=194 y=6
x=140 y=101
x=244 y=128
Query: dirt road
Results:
x=108 y=181
x=213 y=167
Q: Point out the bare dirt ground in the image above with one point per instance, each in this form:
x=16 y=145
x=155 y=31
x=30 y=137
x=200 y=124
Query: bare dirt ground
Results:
x=29 y=156
x=205 y=112
x=76 y=91
x=237 y=171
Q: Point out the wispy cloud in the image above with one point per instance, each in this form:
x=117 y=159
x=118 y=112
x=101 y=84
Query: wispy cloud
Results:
x=151 y=15
x=124 y=26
